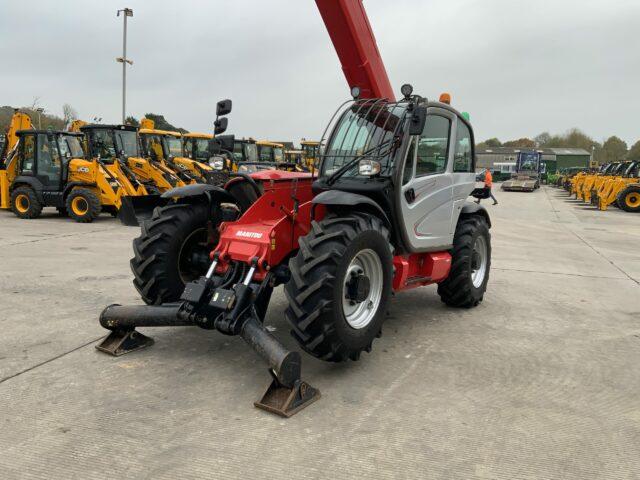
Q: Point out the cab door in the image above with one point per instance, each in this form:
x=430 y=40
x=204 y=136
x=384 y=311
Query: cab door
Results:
x=48 y=162
x=426 y=199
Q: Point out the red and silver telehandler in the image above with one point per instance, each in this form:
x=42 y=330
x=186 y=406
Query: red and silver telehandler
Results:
x=387 y=212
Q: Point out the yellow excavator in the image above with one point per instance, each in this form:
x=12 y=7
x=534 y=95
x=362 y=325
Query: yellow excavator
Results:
x=622 y=190
x=46 y=168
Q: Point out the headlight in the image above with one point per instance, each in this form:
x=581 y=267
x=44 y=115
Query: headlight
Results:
x=217 y=163
x=368 y=167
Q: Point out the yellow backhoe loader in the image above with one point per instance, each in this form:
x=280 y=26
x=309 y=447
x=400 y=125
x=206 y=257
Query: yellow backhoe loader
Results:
x=48 y=168
x=311 y=154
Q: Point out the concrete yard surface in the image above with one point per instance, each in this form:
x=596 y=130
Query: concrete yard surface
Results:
x=541 y=381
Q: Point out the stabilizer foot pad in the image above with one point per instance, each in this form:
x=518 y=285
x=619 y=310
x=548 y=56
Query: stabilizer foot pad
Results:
x=287 y=401
x=119 y=342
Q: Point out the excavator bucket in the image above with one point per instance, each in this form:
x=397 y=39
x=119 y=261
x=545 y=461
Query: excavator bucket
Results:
x=135 y=209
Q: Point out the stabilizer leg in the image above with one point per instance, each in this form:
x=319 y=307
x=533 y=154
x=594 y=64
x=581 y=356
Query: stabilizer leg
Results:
x=287 y=401
x=119 y=342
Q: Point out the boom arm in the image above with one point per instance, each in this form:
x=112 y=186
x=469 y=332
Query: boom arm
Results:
x=355 y=44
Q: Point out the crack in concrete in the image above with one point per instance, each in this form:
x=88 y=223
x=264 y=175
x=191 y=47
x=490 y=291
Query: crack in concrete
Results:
x=556 y=273
x=33 y=367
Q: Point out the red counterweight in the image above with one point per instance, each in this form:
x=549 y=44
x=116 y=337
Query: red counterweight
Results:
x=355 y=44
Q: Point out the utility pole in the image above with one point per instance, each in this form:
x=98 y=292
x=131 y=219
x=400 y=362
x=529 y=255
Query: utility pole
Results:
x=127 y=12
x=40 y=111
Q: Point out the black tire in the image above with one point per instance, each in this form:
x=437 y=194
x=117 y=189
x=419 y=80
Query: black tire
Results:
x=25 y=203
x=315 y=308
x=172 y=249
x=458 y=289
x=629 y=198
x=83 y=205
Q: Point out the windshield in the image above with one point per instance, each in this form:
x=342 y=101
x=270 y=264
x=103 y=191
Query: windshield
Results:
x=265 y=153
x=201 y=149
x=101 y=144
x=127 y=142
x=278 y=154
x=251 y=152
x=529 y=161
x=70 y=146
x=310 y=151
x=152 y=144
x=174 y=146
x=366 y=127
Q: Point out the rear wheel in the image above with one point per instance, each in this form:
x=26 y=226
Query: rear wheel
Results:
x=25 y=203
x=172 y=250
x=470 y=264
x=83 y=205
x=340 y=286
x=629 y=198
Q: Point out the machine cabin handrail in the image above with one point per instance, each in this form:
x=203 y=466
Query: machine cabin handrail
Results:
x=355 y=44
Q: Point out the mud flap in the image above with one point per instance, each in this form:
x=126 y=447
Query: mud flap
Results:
x=287 y=401
x=135 y=209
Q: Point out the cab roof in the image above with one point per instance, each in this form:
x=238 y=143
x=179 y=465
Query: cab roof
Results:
x=267 y=143
x=197 y=135
x=49 y=132
x=153 y=131
x=100 y=126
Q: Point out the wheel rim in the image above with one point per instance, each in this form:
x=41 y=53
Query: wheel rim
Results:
x=193 y=247
x=633 y=200
x=479 y=262
x=22 y=203
x=80 y=206
x=359 y=314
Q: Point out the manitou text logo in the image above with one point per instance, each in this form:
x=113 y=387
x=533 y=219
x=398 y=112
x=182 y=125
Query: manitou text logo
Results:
x=245 y=234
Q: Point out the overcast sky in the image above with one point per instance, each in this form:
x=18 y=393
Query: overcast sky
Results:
x=519 y=67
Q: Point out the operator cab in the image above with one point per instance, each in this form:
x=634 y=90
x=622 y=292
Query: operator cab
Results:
x=111 y=142
x=44 y=155
x=413 y=158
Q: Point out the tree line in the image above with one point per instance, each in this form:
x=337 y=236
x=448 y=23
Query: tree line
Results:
x=613 y=149
x=50 y=121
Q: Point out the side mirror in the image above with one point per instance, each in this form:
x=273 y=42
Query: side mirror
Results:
x=220 y=144
x=223 y=107
x=220 y=125
x=418 y=119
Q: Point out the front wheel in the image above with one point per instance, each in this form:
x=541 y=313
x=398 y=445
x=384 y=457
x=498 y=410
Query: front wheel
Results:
x=172 y=250
x=83 y=205
x=629 y=198
x=340 y=285
x=470 y=264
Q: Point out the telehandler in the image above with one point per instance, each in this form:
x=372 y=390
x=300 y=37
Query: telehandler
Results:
x=311 y=154
x=387 y=212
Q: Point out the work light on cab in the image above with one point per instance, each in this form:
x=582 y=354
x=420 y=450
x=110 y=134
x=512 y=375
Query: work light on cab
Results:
x=368 y=167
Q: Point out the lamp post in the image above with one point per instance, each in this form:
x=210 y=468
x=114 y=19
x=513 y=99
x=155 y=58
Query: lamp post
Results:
x=40 y=111
x=127 y=12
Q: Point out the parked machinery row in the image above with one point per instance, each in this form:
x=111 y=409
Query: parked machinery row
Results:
x=120 y=169
x=616 y=183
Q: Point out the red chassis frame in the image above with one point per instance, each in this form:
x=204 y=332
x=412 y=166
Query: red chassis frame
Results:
x=269 y=230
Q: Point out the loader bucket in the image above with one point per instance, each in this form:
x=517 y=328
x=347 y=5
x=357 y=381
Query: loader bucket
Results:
x=135 y=209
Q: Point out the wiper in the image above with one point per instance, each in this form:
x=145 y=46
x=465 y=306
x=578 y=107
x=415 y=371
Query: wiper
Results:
x=347 y=166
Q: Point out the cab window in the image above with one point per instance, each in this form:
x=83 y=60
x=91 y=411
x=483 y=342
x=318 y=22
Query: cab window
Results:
x=433 y=146
x=28 y=153
x=462 y=160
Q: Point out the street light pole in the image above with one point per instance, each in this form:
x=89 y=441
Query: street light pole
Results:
x=127 y=12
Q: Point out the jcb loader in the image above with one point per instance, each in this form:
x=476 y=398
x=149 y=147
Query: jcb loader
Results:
x=170 y=149
x=49 y=169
